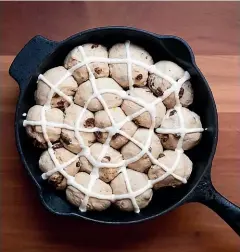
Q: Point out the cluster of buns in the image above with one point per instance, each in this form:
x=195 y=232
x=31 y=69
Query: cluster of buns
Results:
x=147 y=87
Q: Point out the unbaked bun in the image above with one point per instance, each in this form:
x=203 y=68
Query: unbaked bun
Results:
x=168 y=158
x=130 y=150
x=119 y=72
x=158 y=85
x=68 y=87
x=52 y=115
x=171 y=121
x=62 y=155
x=85 y=91
x=137 y=181
x=102 y=120
x=144 y=120
x=111 y=156
x=75 y=197
x=99 y=69
x=68 y=138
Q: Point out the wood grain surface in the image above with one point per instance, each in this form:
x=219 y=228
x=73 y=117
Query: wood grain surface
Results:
x=211 y=29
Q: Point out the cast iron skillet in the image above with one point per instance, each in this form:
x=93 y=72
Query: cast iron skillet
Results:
x=40 y=54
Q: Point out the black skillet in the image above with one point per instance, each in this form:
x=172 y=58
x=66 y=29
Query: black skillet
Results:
x=40 y=54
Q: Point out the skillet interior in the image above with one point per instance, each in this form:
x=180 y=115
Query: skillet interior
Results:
x=161 y=48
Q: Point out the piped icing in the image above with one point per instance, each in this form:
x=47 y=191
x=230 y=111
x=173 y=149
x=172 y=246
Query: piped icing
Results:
x=115 y=128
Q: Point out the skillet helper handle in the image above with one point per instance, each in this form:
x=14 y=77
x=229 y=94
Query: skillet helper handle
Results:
x=206 y=194
x=26 y=63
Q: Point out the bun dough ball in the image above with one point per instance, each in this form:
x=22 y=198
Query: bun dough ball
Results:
x=119 y=72
x=75 y=197
x=68 y=87
x=168 y=158
x=144 y=120
x=99 y=69
x=158 y=85
x=171 y=121
x=102 y=121
x=137 y=181
x=112 y=156
x=62 y=155
x=130 y=150
x=52 y=115
x=85 y=91
x=68 y=138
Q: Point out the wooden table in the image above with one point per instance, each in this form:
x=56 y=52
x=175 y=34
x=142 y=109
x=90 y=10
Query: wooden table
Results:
x=211 y=29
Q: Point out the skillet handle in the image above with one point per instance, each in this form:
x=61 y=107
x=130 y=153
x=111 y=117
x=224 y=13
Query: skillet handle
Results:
x=27 y=61
x=206 y=194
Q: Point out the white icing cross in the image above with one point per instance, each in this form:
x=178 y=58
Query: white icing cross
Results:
x=115 y=128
